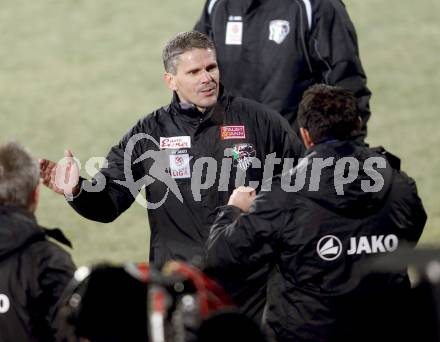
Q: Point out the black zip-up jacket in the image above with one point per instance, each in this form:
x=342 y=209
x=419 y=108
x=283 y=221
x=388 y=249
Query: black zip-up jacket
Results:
x=318 y=241
x=285 y=47
x=33 y=275
x=167 y=144
x=180 y=214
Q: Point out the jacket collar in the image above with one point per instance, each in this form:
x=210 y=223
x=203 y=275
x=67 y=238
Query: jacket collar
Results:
x=21 y=226
x=18 y=227
x=333 y=145
x=6 y=209
x=249 y=5
x=190 y=113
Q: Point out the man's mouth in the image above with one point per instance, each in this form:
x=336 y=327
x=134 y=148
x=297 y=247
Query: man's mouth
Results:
x=208 y=91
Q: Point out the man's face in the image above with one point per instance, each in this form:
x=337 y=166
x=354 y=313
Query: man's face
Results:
x=197 y=78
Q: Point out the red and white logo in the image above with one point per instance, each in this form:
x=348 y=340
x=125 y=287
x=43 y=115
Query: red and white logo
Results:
x=175 y=142
x=179 y=166
x=232 y=132
x=179 y=161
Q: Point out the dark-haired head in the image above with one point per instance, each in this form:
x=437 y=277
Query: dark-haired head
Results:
x=328 y=113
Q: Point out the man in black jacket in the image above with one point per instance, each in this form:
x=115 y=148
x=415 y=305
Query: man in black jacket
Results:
x=271 y=51
x=190 y=155
x=33 y=270
x=348 y=203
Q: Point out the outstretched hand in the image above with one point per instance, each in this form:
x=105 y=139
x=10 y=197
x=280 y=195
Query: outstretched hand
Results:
x=61 y=177
x=242 y=198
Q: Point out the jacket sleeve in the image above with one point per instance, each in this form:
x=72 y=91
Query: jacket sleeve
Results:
x=238 y=242
x=203 y=25
x=411 y=208
x=54 y=270
x=334 y=53
x=105 y=202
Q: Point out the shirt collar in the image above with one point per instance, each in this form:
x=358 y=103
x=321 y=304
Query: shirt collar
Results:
x=176 y=107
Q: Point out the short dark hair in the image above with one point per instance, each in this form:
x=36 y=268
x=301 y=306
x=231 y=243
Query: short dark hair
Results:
x=328 y=112
x=181 y=43
x=19 y=175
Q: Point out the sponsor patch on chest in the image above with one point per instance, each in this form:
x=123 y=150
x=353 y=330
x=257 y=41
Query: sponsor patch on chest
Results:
x=175 y=142
x=232 y=132
x=179 y=166
x=234 y=32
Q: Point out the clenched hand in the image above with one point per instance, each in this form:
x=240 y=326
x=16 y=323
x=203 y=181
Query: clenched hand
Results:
x=242 y=198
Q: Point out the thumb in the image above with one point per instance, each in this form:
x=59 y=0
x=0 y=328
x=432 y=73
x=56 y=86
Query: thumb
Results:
x=68 y=153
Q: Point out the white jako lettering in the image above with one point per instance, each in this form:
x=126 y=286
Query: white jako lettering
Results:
x=352 y=249
x=363 y=246
x=377 y=245
x=391 y=243
x=373 y=244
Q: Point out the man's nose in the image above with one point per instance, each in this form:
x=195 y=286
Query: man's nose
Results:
x=206 y=76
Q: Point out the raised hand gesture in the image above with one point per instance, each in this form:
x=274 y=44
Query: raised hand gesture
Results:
x=61 y=177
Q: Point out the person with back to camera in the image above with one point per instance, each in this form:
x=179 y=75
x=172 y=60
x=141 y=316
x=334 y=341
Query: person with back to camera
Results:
x=354 y=203
x=33 y=270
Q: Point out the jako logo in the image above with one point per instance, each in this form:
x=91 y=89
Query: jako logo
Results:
x=4 y=303
x=373 y=244
x=329 y=247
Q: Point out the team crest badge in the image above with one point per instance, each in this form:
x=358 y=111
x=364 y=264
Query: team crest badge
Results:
x=243 y=155
x=278 y=30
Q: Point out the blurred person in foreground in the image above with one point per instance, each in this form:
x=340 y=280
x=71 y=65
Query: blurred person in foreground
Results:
x=33 y=270
x=137 y=303
x=189 y=155
x=354 y=203
x=271 y=51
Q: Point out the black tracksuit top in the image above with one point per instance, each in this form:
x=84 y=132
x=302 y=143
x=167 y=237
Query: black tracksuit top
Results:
x=173 y=136
x=281 y=47
x=319 y=244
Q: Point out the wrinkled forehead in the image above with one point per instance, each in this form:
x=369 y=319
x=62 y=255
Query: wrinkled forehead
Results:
x=195 y=56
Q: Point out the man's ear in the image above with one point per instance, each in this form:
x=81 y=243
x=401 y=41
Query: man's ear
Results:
x=170 y=81
x=34 y=199
x=305 y=135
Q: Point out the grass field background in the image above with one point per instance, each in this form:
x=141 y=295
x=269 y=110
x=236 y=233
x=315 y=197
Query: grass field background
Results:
x=78 y=73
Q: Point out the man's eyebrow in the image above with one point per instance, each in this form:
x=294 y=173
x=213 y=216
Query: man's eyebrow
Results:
x=208 y=67
x=192 y=70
